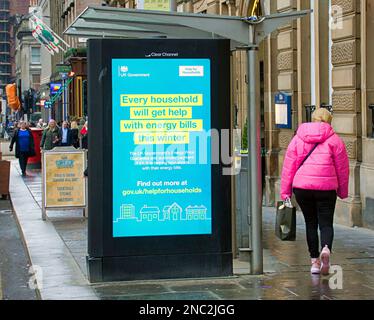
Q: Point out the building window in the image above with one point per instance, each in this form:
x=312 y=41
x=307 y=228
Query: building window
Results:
x=4 y=58
x=4 y=5
x=35 y=55
x=35 y=78
x=4 y=47
x=4 y=37
x=5 y=69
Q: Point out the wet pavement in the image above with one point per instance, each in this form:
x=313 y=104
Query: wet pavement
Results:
x=59 y=276
x=286 y=275
x=14 y=262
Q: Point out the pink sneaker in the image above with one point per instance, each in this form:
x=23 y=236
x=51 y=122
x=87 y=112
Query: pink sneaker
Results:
x=316 y=266
x=325 y=261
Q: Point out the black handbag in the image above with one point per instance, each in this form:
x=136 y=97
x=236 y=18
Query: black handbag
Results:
x=285 y=224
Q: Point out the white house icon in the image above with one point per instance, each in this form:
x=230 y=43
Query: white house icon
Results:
x=172 y=212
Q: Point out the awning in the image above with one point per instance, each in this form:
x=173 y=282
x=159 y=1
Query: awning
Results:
x=109 y=22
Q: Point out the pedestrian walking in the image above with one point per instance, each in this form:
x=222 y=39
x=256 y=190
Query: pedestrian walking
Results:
x=51 y=136
x=316 y=169
x=84 y=135
x=25 y=146
x=81 y=124
x=74 y=134
x=65 y=135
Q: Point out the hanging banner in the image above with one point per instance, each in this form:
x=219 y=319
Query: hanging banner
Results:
x=43 y=42
x=46 y=36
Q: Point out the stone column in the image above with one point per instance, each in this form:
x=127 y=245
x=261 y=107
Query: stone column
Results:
x=367 y=88
x=346 y=82
x=271 y=132
x=286 y=82
x=213 y=7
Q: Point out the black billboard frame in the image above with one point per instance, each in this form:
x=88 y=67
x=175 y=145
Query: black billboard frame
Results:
x=142 y=258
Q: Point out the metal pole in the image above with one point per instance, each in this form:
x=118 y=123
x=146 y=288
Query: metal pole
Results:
x=173 y=5
x=254 y=157
x=65 y=98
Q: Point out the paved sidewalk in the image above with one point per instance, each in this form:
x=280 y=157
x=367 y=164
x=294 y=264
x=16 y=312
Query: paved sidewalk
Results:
x=14 y=261
x=286 y=276
x=61 y=277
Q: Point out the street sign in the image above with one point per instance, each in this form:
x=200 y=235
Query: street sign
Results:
x=283 y=110
x=63 y=68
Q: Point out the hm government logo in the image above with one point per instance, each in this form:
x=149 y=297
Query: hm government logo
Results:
x=123 y=72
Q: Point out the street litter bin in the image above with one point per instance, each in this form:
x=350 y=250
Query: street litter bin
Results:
x=35 y=162
x=4 y=178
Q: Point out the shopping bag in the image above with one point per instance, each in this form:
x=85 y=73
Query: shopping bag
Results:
x=285 y=224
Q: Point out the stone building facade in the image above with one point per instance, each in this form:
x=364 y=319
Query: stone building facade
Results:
x=321 y=59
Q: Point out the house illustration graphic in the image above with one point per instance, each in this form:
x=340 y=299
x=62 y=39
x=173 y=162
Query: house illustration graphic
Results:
x=127 y=212
x=149 y=213
x=172 y=212
x=196 y=213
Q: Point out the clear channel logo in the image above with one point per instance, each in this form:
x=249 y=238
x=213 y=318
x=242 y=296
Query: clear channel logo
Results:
x=191 y=71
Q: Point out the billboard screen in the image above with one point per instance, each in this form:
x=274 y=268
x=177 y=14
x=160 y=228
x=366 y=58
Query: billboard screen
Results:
x=161 y=151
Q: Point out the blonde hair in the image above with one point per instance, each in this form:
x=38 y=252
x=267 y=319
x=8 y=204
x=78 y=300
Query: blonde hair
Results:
x=74 y=125
x=322 y=115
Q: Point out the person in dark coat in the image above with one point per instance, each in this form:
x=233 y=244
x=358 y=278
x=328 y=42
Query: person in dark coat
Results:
x=25 y=146
x=74 y=134
x=65 y=135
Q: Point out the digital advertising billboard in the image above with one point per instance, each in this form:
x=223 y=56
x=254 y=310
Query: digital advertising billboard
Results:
x=159 y=203
x=161 y=109
x=55 y=88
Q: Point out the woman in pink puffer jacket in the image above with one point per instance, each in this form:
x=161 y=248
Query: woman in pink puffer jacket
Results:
x=317 y=182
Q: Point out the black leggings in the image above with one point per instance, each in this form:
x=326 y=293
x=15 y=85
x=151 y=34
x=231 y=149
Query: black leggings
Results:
x=318 y=208
x=23 y=159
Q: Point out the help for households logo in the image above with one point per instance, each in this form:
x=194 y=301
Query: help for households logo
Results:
x=191 y=71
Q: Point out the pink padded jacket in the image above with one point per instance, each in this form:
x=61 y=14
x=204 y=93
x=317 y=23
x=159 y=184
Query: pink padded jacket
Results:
x=326 y=169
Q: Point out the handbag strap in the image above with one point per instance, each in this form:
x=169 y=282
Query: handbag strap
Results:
x=308 y=155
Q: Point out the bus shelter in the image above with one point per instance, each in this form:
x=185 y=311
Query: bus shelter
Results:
x=244 y=33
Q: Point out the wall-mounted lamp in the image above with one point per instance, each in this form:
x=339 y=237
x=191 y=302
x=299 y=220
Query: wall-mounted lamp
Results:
x=328 y=107
x=309 y=109
x=371 y=107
